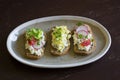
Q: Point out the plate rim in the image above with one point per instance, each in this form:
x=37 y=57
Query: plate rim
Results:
x=30 y=22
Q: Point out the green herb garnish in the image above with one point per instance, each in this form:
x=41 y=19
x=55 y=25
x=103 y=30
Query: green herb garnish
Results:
x=58 y=33
x=80 y=36
x=38 y=43
x=85 y=36
x=79 y=23
x=34 y=32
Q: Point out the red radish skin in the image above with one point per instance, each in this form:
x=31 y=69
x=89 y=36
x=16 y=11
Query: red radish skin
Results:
x=83 y=32
x=36 y=46
x=82 y=28
x=33 y=43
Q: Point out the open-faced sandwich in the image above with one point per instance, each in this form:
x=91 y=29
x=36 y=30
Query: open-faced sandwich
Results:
x=60 y=40
x=35 y=41
x=84 y=42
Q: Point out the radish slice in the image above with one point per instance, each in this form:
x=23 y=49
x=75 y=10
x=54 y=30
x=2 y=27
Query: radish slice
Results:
x=36 y=46
x=85 y=28
x=83 y=32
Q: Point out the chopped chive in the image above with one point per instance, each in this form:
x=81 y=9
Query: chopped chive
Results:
x=38 y=43
x=85 y=36
x=79 y=23
x=80 y=36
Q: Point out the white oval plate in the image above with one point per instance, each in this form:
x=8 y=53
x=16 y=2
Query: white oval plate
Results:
x=16 y=41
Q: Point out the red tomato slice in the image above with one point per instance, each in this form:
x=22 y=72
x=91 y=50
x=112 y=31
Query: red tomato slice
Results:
x=32 y=41
x=86 y=43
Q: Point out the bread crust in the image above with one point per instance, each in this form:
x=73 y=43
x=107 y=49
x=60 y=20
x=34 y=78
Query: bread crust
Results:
x=93 y=47
x=55 y=51
x=33 y=56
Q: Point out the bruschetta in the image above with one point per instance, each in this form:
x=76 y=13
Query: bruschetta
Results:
x=60 y=43
x=84 y=41
x=35 y=42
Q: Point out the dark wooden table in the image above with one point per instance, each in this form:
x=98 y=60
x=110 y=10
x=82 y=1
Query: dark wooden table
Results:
x=16 y=12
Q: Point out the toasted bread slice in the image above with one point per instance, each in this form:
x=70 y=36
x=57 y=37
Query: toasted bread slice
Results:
x=34 y=56
x=92 y=48
x=56 y=52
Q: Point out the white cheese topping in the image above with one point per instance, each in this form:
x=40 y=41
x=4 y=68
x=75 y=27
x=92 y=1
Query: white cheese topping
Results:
x=32 y=50
x=78 y=41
